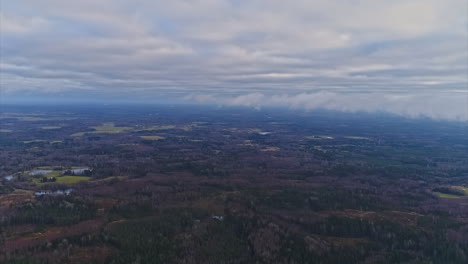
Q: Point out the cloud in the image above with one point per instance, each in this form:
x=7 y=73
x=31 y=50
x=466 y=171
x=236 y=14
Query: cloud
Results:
x=17 y=24
x=441 y=106
x=234 y=48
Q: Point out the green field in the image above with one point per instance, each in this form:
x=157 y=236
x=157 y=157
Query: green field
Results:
x=105 y=128
x=54 y=174
x=58 y=174
x=270 y=149
x=449 y=196
x=63 y=179
x=465 y=190
x=156 y=128
x=72 y=179
x=33 y=141
x=152 y=137
x=6 y=130
x=454 y=196
x=461 y=188
x=50 y=127
x=353 y=137
x=109 y=127
x=79 y=134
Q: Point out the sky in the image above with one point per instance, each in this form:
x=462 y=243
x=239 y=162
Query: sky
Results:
x=407 y=57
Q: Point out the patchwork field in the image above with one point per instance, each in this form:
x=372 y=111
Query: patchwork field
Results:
x=71 y=179
x=270 y=149
x=105 y=128
x=156 y=128
x=152 y=137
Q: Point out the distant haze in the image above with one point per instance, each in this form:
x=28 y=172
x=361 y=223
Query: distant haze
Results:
x=407 y=57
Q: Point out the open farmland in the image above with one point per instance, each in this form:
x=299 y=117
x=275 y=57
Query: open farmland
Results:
x=64 y=180
x=152 y=137
x=105 y=128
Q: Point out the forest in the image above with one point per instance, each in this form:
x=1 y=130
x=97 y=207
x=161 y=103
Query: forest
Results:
x=101 y=184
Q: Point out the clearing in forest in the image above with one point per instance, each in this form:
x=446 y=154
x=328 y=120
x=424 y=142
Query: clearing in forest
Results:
x=152 y=137
x=106 y=128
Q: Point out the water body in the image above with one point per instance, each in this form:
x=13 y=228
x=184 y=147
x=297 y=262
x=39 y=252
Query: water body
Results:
x=58 y=192
x=39 y=172
x=79 y=171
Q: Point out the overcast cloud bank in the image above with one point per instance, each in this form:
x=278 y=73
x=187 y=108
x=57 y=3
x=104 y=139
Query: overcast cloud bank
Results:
x=357 y=51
